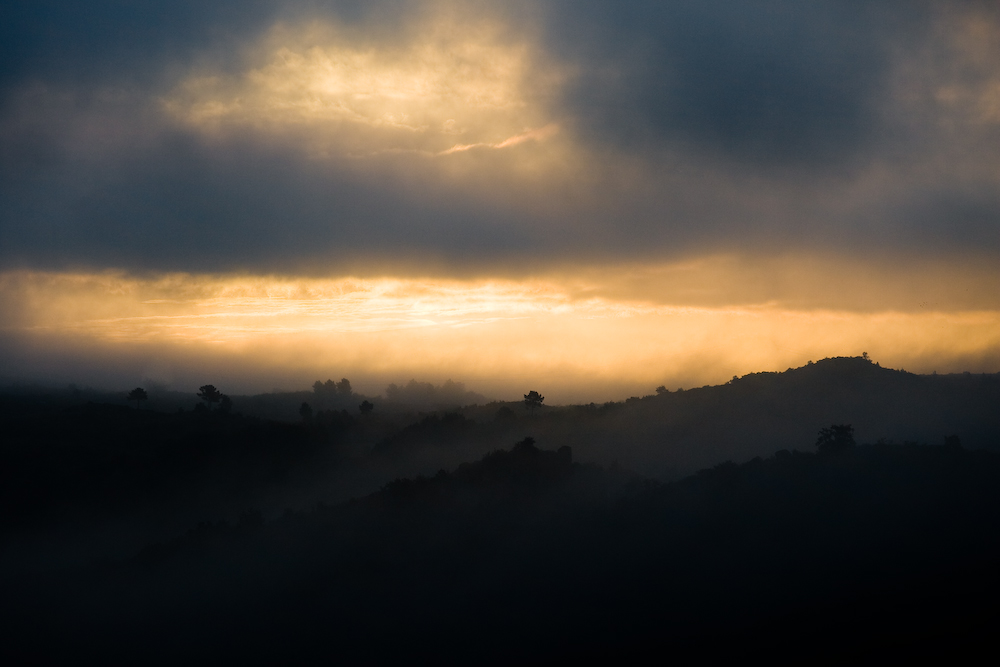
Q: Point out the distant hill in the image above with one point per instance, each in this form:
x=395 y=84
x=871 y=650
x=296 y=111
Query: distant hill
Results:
x=676 y=433
x=664 y=436
x=547 y=549
x=406 y=399
x=101 y=479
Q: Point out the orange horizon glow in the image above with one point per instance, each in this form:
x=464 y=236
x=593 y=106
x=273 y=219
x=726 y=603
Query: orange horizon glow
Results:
x=494 y=335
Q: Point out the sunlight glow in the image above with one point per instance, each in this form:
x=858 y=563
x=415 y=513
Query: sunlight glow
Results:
x=491 y=333
x=449 y=85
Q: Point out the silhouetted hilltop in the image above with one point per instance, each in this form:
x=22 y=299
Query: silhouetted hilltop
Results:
x=872 y=552
x=665 y=436
x=62 y=454
x=678 y=432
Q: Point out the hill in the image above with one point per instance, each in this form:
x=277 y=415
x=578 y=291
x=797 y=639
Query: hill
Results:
x=870 y=553
x=80 y=478
x=676 y=433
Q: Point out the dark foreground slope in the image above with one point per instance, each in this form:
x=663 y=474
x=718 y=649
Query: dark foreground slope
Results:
x=871 y=553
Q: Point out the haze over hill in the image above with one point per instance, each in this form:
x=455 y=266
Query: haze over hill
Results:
x=680 y=431
x=204 y=507
x=664 y=435
x=526 y=555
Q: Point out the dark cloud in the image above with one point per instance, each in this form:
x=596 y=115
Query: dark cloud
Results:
x=747 y=126
x=950 y=219
x=104 y=41
x=763 y=81
x=116 y=41
x=181 y=204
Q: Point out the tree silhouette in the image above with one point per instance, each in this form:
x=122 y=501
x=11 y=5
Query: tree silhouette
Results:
x=138 y=394
x=225 y=405
x=328 y=388
x=209 y=394
x=533 y=400
x=837 y=438
x=366 y=407
x=306 y=412
x=661 y=390
x=344 y=387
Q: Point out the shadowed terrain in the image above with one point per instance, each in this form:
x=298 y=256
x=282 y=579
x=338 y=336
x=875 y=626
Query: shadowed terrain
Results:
x=384 y=533
x=869 y=552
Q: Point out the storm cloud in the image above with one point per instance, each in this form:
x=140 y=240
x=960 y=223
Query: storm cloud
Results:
x=208 y=137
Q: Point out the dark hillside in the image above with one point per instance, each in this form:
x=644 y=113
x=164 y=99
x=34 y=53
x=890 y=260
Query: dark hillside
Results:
x=61 y=464
x=80 y=479
x=681 y=431
x=867 y=554
x=664 y=436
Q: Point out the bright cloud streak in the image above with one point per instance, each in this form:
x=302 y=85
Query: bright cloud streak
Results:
x=448 y=86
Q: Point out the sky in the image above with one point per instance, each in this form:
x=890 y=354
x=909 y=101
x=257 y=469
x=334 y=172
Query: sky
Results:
x=588 y=199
